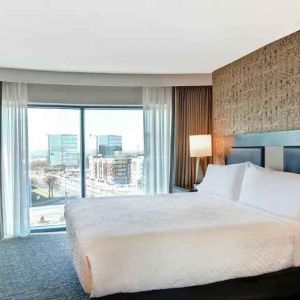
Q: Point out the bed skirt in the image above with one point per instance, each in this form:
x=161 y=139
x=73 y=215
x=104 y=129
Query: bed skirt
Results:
x=284 y=284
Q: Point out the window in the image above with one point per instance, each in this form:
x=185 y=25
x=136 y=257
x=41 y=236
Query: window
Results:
x=76 y=152
x=54 y=158
x=114 y=150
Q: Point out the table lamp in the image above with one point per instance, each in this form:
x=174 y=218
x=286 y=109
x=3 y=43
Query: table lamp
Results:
x=200 y=146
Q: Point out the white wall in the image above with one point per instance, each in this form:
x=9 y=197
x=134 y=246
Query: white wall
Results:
x=94 y=88
x=96 y=79
x=72 y=94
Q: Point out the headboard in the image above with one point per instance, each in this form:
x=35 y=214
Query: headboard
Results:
x=256 y=155
x=278 y=150
x=291 y=159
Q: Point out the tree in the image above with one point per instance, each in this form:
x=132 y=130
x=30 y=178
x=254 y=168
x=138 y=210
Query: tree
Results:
x=52 y=183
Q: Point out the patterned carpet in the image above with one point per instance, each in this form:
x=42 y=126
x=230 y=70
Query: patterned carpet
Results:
x=38 y=267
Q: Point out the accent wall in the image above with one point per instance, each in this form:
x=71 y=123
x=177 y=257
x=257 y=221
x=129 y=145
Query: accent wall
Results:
x=258 y=93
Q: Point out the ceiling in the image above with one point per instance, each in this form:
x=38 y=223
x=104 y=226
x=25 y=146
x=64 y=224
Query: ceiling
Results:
x=139 y=36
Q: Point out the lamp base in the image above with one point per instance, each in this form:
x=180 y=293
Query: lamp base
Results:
x=199 y=171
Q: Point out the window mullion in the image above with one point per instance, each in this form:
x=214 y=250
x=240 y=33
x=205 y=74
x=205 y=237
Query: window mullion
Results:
x=82 y=152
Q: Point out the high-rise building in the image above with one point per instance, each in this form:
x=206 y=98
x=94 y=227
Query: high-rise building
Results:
x=111 y=170
x=108 y=144
x=63 y=150
x=137 y=171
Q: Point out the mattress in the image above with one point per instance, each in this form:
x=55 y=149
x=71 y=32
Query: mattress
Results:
x=139 y=243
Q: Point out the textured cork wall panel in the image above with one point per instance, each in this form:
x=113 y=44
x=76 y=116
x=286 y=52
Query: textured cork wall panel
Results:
x=258 y=93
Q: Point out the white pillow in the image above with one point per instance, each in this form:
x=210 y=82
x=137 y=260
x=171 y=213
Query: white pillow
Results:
x=274 y=191
x=223 y=181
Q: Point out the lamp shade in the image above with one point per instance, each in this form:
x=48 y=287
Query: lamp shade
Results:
x=200 y=145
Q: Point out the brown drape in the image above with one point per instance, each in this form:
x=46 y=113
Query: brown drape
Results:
x=193 y=115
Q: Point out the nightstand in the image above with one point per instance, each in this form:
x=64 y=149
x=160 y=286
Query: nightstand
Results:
x=177 y=189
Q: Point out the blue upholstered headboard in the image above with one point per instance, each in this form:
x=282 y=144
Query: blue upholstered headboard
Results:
x=291 y=159
x=256 y=155
x=278 y=150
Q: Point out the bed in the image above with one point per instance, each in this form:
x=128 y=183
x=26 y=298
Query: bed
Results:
x=183 y=246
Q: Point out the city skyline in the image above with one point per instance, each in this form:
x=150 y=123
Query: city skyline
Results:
x=55 y=174
x=44 y=122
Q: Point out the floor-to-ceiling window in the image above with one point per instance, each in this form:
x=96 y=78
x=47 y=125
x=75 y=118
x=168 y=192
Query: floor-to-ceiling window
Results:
x=114 y=150
x=54 y=157
x=82 y=152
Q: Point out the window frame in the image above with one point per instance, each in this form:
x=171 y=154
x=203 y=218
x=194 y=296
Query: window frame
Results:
x=82 y=109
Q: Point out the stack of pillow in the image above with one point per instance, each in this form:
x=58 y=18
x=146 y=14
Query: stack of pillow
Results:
x=270 y=190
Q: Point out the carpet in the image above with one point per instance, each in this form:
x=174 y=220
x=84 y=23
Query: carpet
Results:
x=38 y=267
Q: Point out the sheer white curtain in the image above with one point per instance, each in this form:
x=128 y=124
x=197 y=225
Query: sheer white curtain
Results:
x=14 y=150
x=157 y=105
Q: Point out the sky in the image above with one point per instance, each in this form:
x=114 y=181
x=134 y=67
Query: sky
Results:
x=127 y=123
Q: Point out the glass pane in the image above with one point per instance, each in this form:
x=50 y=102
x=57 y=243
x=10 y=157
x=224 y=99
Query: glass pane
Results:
x=114 y=152
x=54 y=157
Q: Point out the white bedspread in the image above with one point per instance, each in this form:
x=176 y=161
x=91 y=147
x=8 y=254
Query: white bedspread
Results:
x=137 y=243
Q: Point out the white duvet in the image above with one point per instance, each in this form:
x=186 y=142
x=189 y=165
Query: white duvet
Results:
x=138 y=243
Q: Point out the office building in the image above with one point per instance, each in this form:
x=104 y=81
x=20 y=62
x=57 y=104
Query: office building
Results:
x=63 y=150
x=111 y=170
x=107 y=145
